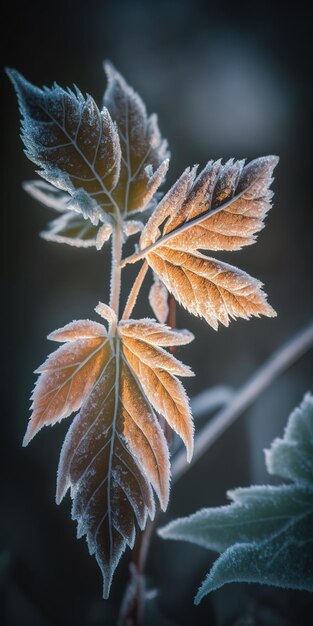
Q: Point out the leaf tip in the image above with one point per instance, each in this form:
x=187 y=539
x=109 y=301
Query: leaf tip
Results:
x=29 y=435
x=189 y=449
x=12 y=74
x=198 y=597
x=106 y=313
x=274 y=158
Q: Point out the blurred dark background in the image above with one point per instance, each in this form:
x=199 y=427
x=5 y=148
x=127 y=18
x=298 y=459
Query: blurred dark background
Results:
x=227 y=79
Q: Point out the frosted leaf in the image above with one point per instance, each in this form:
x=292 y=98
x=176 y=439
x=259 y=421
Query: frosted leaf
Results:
x=156 y=370
x=144 y=153
x=115 y=450
x=266 y=534
x=132 y=227
x=71 y=228
x=243 y=189
x=106 y=313
x=208 y=288
x=169 y=204
x=292 y=456
x=67 y=375
x=112 y=454
x=77 y=329
x=48 y=195
x=75 y=145
x=158 y=298
x=103 y=235
x=204 y=286
x=156 y=334
x=83 y=203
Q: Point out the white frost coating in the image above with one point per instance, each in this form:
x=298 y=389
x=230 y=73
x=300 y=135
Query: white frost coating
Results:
x=265 y=534
x=103 y=235
x=78 y=329
x=156 y=370
x=143 y=150
x=132 y=227
x=107 y=313
x=152 y=332
x=169 y=204
x=48 y=195
x=226 y=293
x=244 y=191
x=71 y=228
x=158 y=299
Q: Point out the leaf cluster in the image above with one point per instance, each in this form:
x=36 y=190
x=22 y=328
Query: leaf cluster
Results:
x=100 y=168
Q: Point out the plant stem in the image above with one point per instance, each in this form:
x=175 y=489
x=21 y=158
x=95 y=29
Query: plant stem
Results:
x=131 y=301
x=132 y=607
x=117 y=243
x=276 y=364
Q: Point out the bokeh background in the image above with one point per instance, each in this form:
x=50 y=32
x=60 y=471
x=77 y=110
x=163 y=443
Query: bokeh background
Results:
x=227 y=79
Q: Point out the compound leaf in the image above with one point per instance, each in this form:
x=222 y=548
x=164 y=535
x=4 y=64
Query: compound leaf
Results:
x=75 y=145
x=222 y=209
x=115 y=450
x=72 y=229
x=265 y=535
x=156 y=369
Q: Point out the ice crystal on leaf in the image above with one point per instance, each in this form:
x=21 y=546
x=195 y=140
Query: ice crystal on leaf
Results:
x=115 y=449
x=204 y=286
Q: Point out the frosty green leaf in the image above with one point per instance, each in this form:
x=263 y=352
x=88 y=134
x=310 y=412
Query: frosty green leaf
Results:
x=266 y=534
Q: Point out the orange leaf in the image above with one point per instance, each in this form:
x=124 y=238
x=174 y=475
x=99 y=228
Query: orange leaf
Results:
x=156 y=371
x=68 y=374
x=222 y=209
x=115 y=449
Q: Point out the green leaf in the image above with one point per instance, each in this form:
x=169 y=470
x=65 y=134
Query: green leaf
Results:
x=266 y=534
x=292 y=456
x=283 y=560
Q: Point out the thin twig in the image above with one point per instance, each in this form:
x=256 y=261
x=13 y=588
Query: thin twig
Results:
x=277 y=363
x=131 y=300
